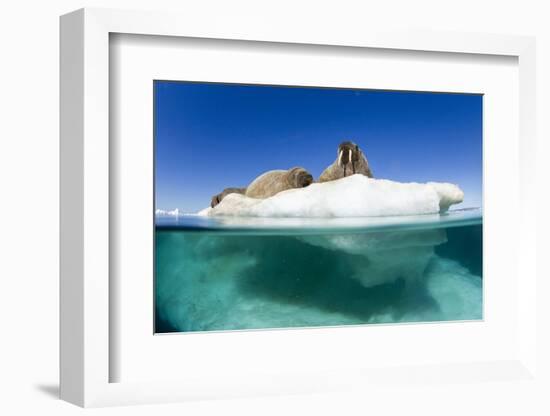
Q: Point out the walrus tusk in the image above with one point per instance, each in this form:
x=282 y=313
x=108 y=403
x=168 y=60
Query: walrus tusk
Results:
x=349 y=156
x=340 y=158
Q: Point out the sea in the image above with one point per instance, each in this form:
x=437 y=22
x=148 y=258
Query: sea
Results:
x=237 y=273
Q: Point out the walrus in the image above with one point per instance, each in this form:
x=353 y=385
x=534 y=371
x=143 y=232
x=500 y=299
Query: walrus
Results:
x=349 y=161
x=269 y=184
x=216 y=199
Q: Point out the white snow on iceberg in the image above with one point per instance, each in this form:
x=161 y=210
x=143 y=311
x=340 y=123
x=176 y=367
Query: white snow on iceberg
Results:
x=353 y=196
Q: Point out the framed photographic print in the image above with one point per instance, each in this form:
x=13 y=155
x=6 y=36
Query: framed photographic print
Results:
x=297 y=230
x=246 y=212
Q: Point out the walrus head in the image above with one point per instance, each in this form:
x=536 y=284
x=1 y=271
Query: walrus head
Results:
x=299 y=177
x=216 y=199
x=349 y=155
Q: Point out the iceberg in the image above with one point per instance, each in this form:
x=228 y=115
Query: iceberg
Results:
x=389 y=255
x=352 y=196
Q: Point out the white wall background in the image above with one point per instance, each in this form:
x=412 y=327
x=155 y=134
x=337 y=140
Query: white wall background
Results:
x=29 y=209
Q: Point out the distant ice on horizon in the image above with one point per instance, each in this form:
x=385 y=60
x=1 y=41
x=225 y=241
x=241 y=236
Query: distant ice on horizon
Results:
x=168 y=213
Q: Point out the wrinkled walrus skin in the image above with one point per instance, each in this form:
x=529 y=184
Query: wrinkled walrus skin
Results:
x=269 y=184
x=275 y=181
x=349 y=161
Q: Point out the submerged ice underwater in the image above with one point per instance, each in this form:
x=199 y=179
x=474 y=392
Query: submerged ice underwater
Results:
x=231 y=273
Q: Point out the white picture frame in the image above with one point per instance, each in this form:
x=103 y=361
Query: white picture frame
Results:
x=86 y=356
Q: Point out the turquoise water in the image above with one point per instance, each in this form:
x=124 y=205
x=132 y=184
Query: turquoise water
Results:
x=215 y=274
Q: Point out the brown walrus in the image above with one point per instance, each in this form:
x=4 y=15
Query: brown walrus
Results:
x=349 y=161
x=216 y=199
x=269 y=184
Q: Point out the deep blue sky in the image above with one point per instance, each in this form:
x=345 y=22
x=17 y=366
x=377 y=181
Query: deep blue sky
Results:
x=212 y=136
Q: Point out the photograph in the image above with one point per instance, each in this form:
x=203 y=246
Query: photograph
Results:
x=282 y=206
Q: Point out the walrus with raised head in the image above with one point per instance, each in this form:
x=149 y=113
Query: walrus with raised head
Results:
x=349 y=161
x=269 y=184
